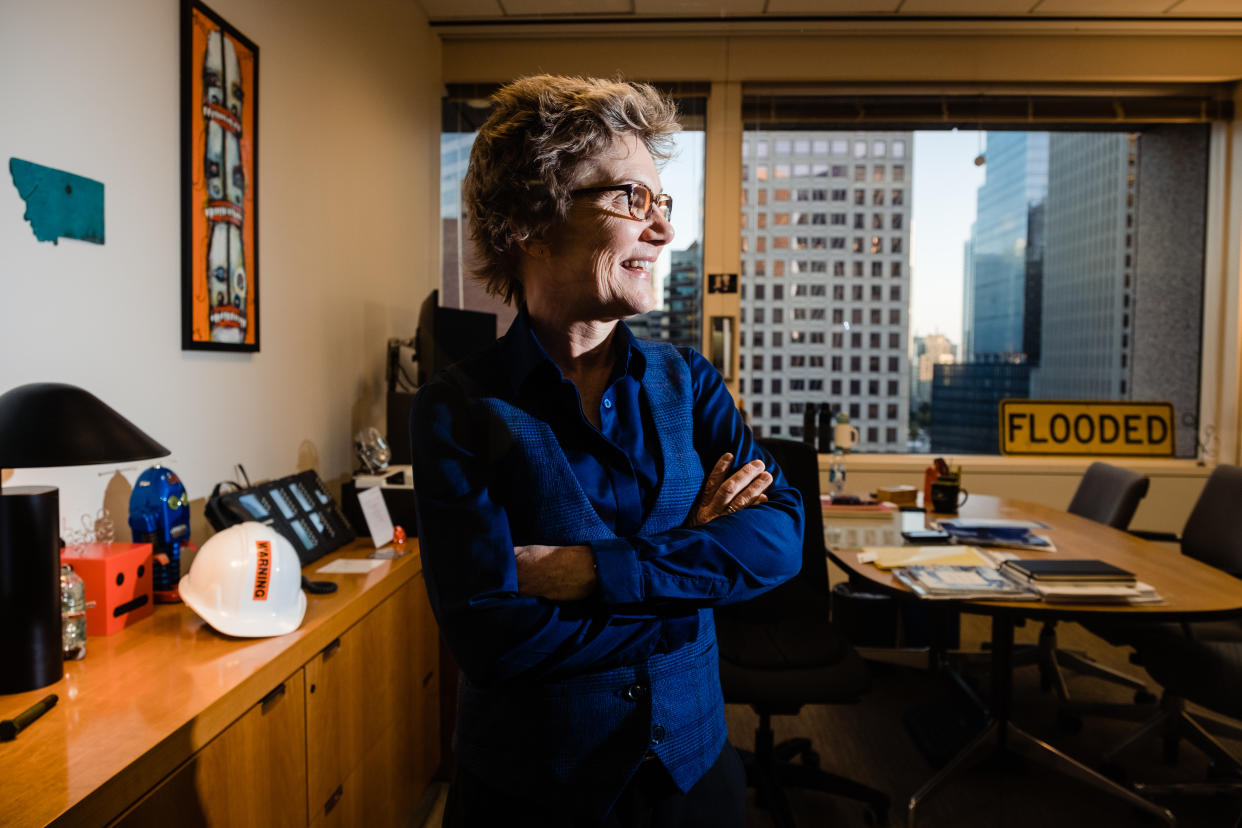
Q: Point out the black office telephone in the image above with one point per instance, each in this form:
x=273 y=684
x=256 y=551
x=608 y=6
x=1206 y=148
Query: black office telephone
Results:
x=299 y=507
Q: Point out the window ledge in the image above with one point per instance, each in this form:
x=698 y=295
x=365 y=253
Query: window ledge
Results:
x=991 y=464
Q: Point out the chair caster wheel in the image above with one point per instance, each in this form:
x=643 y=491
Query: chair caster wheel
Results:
x=810 y=759
x=1143 y=697
x=1069 y=722
x=876 y=815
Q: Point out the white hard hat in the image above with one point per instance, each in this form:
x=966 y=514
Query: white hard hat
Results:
x=246 y=581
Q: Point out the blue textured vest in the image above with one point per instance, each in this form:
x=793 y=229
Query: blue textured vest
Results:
x=578 y=741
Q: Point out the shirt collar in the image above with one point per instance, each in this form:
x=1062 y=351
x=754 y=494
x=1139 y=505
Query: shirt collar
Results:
x=525 y=357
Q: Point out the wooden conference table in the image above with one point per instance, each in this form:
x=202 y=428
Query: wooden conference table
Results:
x=1192 y=591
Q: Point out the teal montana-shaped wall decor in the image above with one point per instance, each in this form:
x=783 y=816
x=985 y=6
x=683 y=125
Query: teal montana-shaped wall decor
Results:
x=59 y=204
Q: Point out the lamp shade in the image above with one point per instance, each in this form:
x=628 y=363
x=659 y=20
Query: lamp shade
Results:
x=53 y=424
x=46 y=424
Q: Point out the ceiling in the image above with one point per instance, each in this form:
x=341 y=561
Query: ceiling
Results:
x=500 y=11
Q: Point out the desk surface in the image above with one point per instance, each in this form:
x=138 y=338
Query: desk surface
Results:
x=1190 y=589
x=146 y=698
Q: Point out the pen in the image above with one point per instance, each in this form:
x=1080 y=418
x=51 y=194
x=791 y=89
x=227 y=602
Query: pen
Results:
x=9 y=728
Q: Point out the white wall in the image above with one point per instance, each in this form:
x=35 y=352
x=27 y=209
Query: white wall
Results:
x=348 y=203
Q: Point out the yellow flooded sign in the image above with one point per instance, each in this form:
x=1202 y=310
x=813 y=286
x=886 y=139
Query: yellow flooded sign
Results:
x=1138 y=429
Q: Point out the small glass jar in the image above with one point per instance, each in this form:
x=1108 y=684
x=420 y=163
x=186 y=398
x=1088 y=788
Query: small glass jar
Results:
x=72 y=613
x=836 y=472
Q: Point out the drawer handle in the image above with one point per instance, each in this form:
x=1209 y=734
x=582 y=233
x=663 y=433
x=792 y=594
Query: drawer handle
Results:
x=427 y=678
x=332 y=800
x=331 y=649
x=271 y=698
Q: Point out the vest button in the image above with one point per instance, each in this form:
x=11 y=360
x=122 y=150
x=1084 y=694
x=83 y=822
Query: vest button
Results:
x=657 y=734
x=635 y=692
x=607 y=403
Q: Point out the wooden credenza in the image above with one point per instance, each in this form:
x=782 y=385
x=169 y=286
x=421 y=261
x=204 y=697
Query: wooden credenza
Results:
x=170 y=723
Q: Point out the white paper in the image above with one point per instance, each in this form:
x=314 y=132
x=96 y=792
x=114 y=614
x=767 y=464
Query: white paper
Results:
x=375 y=510
x=350 y=566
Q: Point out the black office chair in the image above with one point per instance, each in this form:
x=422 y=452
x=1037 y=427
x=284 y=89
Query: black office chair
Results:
x=1110 y=495
x=1199 y=662
x=779 y=652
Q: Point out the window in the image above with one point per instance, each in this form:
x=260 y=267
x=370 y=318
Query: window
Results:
x=1058 y=194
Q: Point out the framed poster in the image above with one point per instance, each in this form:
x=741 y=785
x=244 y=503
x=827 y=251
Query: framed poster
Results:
x=219 y=184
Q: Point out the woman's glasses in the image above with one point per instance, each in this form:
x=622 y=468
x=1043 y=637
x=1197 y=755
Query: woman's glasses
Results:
x=641 y=201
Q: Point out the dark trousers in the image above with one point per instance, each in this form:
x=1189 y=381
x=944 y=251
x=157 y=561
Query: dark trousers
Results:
x=650 y=800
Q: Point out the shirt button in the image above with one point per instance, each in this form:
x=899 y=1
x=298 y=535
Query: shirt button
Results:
x=635 y=692
x=657 y=734
x=607 y=403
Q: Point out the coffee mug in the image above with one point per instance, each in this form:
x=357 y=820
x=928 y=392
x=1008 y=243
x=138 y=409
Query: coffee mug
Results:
x=947 y=497
x=844 y=436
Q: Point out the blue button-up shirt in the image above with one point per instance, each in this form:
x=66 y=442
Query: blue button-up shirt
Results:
x=649 y=587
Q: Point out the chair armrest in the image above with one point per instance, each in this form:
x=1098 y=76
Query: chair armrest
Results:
x=1146 y=534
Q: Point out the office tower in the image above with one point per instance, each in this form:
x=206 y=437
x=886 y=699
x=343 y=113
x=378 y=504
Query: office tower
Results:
x=966 y=400
x=968 y=294
x=930 y=351
x=683 y=297
x=825 y=280
x=1088 y=273
x=1006 y=262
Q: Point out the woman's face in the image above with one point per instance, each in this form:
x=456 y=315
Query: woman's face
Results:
x=598 y=263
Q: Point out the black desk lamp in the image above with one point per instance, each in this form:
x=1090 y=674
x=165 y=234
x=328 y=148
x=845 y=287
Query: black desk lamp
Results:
x=41 y=425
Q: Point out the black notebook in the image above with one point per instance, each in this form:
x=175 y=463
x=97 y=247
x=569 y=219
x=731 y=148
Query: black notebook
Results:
x=1068 y=569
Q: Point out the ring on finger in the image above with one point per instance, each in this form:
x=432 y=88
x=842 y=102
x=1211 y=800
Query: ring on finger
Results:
x=731 y=508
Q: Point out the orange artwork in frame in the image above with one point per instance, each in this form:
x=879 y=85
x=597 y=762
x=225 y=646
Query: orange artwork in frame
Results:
x=220 y=183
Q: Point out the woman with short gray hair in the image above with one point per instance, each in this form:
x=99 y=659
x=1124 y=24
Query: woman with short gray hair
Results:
x=585 y=498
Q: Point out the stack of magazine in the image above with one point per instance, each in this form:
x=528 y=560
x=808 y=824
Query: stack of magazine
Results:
x=971 y=582
x=1085 y=581
x=1080 y=580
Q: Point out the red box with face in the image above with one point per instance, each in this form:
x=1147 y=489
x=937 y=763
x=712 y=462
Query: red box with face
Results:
x=117 y=578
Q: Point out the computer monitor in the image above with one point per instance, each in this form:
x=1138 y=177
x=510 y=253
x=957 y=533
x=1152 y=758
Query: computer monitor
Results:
x=448 y=335
x=445 y=336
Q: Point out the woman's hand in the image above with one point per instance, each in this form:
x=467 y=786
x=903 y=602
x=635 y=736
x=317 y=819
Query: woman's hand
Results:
x=724 y=494
x=558 y=573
